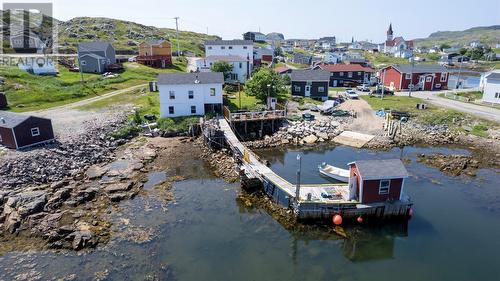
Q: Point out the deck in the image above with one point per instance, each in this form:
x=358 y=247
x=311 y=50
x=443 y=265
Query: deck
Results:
x=277 y=114
x=319 y=193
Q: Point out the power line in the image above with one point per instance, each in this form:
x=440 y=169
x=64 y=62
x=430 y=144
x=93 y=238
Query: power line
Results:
x=177 y=35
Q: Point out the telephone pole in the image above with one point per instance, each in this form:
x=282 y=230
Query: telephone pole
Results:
x=177 y=36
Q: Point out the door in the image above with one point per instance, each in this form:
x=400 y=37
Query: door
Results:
x=334 y=83
x=429 y=80
x=308 y=91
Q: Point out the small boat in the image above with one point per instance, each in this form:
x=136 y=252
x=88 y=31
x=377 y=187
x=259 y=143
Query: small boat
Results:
x=334 y=172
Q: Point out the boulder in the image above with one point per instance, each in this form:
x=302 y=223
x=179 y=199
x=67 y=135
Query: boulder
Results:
x=310 y=139
x=119 y=187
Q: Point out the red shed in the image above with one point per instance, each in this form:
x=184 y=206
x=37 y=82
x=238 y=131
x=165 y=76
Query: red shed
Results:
x=425 y=77
x=3 y=101
x=377 y=180
x=20 y=131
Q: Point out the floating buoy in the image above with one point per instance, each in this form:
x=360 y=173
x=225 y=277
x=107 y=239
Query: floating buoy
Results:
x=360 y=219
x=337 y=219
x=410 y=212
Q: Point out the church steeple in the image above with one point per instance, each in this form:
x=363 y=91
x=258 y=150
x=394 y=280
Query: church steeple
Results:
x=390 y=33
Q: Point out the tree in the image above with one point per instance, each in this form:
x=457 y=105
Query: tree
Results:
x=278 y=52
x=444 y=46
x=462 y=51
x=264 y=82
x=222 y=66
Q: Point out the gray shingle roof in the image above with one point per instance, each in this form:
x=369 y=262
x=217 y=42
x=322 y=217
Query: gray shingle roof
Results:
x=493 y=75
x=94 y=46
x=190 y=78
x=381 y=169
x=420 y=68
x=310 y=75
x=229 y=42
x=11 y=120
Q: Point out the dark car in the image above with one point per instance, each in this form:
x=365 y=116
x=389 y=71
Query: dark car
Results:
x=308 y=117
x=379 y=92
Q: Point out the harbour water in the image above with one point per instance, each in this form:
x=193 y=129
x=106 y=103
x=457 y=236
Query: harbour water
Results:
x=205 y=234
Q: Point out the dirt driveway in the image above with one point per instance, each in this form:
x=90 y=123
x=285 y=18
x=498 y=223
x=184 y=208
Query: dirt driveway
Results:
x=366 y=121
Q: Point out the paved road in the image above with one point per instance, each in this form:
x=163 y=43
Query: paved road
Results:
x=485 y=112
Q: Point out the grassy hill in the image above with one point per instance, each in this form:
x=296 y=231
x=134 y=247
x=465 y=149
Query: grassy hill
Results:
x=486 y=34
x=124 y=35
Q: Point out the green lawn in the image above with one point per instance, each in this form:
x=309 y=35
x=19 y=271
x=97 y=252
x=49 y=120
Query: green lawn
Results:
x=379 y=59
x=472 y=95
x=247 y=102
x=27 y=92
x=393 y=102
x=298 y=65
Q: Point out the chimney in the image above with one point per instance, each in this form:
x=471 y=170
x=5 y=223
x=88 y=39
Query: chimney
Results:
x=2 y=120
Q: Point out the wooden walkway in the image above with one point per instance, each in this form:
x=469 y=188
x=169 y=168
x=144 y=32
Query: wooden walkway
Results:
x=256 y=169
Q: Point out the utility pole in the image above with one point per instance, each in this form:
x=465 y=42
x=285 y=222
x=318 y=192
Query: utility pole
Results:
x=177 y=36
x=383 y=84
x=411 y=76
x=297 y=188
x=459 y=73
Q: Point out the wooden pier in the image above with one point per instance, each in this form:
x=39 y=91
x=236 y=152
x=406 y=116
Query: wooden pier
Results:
x=316 y=201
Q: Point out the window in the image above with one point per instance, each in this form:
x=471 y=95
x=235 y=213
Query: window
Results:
x=408 y=76
x=241 y=65
x=83 y=62
x=428 y=79
x=384 y=187
x=497 y=95
x=443 y=77
x=191 y=95
x=296 y=88
x=359 y=73
x=222 y=47
x=438 y=86
x=331 y=74
x=172 y=95
x=349 y=74
x=341 y=73
x=245 y=47
x=321 y=89
x=170 y=110
x=193 y=109
x=212 y=92
x=230 y=47
x=35 y=132
x=210 y=47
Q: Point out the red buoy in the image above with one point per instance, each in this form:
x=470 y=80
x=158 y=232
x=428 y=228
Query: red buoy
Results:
x=337 y=219
x=360 y=219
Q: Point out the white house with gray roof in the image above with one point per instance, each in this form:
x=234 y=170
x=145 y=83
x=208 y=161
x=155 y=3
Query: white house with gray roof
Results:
x=240 y=66
x=190 y=94
x=237 y=51
x=95 y=57
x=491 y=87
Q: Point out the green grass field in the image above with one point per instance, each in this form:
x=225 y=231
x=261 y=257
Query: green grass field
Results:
x=247 y=102
x=27 y=92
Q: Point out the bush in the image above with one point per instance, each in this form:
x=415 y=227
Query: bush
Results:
x=480 y=130
x=177 y=124
x=126 y=132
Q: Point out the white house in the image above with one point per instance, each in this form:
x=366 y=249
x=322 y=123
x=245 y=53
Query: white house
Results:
x=241 y=48
x=332 y=58
x=185 y=94
x=241 y=66
x=491 y=88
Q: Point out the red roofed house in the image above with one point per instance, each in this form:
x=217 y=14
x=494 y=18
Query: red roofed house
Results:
x=347 y=75
x=398 y=46
x=425 y=77
x=282 y=70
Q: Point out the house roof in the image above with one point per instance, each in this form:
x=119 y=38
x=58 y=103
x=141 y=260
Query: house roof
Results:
x=420 y=68
x=11 y=119
x=310 y=75
x=255 y=32
x=493 y=75
x=190 y=78
x=94 y=46
x=381 y=169
x=229 y=58
x=93 y=56
x=282 y=69
x=345 y=67
x=228 y=42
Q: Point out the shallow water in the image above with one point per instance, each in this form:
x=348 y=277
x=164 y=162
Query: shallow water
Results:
x=206 y=235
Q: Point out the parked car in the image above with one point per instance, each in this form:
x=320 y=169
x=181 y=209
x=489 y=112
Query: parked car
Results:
x=379 y=92
x=363 y=88
x=351 y=94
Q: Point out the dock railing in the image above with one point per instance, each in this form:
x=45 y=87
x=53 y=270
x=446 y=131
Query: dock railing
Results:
x=279 y=113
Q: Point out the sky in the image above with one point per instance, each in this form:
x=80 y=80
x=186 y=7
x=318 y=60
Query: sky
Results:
x=363 y=19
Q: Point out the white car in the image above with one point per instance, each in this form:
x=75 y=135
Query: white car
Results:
x=351 y=94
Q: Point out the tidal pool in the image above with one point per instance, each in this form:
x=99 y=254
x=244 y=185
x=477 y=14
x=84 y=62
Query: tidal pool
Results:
x=206 y=235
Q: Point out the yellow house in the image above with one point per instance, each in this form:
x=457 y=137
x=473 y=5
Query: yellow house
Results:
x=155 y=53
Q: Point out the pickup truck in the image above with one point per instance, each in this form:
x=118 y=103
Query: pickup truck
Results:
x=351 y=94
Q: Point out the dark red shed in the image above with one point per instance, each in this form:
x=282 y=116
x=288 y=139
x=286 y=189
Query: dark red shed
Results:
x=20 y=131
x=377 y=180
x=3 y=101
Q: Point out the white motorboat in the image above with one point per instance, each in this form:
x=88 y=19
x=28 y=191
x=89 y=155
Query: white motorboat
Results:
x=334 y=172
